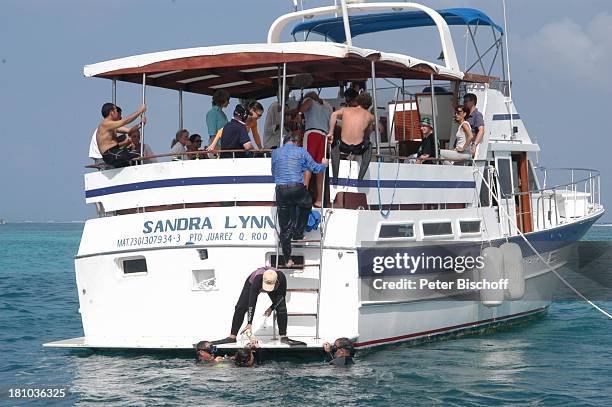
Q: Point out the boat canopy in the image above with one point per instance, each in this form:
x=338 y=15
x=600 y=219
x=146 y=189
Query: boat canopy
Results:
x=252 y=70
x=333 y=28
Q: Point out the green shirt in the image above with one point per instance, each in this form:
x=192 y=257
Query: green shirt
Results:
x=215 y=120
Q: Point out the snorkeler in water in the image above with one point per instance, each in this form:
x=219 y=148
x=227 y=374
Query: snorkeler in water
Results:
x=248 y=356
x=207 y=352
x=341 y=353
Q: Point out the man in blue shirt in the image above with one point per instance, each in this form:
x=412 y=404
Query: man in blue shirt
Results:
x=288 y=165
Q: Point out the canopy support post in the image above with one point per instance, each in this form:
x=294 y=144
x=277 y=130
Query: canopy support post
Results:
x=434 y=113
x=283 y=101
x=142 y=128
x=484 y=71
x=114 y=91
x=180 y=94
x=345 y=22
x=377 y=131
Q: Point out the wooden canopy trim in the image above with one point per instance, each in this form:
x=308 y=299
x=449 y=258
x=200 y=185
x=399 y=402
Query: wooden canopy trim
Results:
x=233 y=60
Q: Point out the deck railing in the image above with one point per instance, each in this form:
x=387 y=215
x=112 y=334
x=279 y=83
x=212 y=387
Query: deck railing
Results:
x=557 y=202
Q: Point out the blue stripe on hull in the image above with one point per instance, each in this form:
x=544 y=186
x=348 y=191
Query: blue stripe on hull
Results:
x=268 y=179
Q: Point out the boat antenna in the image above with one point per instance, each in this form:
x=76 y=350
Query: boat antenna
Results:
x=509 y=98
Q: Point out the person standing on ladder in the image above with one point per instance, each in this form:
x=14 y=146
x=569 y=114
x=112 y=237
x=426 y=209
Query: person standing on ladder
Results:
x=293 y=201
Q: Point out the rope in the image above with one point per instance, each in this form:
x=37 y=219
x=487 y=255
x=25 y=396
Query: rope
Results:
x=380 y=206
x=522 y=235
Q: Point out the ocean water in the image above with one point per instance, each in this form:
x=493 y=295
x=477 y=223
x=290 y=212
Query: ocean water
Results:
x=563 y=358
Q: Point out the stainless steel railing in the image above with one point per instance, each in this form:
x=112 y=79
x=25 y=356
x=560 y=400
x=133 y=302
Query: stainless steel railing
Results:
x=557 y=202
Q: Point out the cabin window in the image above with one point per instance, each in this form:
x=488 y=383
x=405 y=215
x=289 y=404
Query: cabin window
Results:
x=204 y=280
x=203 y=253
x=437 y=229
x=396 y=231
x=468 y=227
x=136 y=265
x=505 y=176
x=533 y=186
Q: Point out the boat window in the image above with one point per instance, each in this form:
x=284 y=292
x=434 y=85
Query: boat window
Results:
x=396 y=230
x=505 y=176
x=484 y=189
x=204 y=280
x=437 y=228
x=469 y=226
x=533 y=185
x=134 y=265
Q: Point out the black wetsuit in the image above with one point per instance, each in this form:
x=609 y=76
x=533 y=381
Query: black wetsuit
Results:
x=248 y=300
x=119 y=157
x=364 y=149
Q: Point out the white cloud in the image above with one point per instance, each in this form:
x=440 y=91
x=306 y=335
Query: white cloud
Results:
x=565 y=49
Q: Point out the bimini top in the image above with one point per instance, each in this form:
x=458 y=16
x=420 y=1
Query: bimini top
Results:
x=252 y=70
x=333 y=29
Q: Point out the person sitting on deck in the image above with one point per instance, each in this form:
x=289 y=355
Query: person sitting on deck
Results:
x=215 y=117
x=195 y=142
x=293 y=201
x=114 y=152
x=235 y=135
x=180 y=144
x=341 y=353
x=255 y=112
x=427 y=148
x=272 y=125
x=135 y=135
x=356 y=128
x=94 y=151
x=274 y=283
x=463 y=138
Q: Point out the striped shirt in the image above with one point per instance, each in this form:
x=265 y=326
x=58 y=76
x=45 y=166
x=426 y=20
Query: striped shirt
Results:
x=289 y=163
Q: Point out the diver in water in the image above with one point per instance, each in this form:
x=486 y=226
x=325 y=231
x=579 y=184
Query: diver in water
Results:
x=341 y=353
x=248 y=356
x=207 y=352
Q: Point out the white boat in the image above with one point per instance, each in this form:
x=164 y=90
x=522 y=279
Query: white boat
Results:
x=162 y=265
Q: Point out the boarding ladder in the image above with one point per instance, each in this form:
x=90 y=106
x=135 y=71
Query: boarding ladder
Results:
x=318 y=264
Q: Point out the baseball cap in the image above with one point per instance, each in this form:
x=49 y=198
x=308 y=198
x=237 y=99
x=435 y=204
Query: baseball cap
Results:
x=426 y=121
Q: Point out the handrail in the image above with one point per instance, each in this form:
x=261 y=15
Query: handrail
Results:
x=594 y=174
x=203 y=152
x=265 y=151
x=558 y=204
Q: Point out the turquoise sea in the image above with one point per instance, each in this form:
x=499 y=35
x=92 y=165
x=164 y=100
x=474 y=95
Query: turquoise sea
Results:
x=562 y=359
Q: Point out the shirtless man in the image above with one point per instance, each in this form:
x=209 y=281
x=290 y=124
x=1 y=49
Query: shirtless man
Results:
x=115 y=152
x=357 y=125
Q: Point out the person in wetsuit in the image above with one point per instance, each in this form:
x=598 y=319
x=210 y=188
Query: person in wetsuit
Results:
x=357 y=125
x=341 y=353
x=271 y=281
x=207 y=352
x=248 y=356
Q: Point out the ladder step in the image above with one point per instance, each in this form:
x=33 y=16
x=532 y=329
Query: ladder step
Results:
x=302 y=314
x=303 y=290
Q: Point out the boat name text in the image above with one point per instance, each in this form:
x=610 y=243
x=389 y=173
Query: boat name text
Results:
x=199 y=223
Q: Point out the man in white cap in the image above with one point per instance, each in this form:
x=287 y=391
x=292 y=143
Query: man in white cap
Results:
x=274 y=283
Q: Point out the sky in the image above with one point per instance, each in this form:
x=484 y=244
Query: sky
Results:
x=560 y=59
